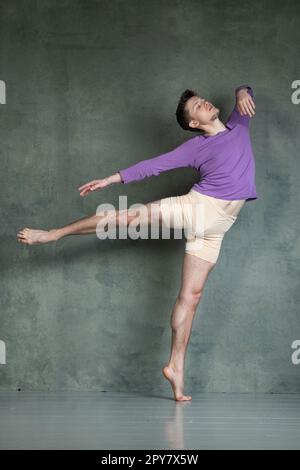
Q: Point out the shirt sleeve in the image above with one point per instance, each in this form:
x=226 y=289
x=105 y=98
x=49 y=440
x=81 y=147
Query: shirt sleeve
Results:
x=182 y=156
x=235 y=117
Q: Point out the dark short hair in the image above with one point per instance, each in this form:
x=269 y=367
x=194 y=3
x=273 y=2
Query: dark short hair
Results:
x=182 y=114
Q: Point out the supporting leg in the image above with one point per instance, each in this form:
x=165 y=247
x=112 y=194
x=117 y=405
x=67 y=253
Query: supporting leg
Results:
x=195 y=272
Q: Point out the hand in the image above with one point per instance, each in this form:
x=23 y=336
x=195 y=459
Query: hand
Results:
x=245 y=103
x=92 y=186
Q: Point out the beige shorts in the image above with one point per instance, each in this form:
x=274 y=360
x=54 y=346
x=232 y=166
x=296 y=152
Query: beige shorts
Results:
x=205 y=220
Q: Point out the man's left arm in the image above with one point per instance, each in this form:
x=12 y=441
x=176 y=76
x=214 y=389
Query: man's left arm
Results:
x=244 y=107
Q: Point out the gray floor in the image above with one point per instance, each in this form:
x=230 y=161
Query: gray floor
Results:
x=103 y=420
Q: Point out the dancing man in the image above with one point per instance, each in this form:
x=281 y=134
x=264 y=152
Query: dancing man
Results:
x=223 y=156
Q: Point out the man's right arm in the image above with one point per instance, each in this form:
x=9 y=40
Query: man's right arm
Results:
x=182 y=156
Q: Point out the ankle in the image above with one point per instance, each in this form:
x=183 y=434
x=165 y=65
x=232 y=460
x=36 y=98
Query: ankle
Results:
x=176 y=366
x=55 y=234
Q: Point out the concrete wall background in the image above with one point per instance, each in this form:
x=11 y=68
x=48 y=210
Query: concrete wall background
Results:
x=92 y=87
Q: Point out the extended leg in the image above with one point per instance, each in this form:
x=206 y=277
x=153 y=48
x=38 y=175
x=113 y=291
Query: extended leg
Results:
x=88 y=225
x=195 y=272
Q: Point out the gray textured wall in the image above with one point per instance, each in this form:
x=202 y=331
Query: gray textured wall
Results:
x=92 y=86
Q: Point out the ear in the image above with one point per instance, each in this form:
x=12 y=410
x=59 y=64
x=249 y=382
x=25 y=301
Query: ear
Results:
x=193 y=124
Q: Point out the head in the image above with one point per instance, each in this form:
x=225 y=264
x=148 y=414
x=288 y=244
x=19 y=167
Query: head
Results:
x=195 y=113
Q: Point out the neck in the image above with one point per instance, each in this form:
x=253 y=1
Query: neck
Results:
x=214 y=127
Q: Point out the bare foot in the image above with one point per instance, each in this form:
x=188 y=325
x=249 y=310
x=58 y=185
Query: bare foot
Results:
x=176 y=380
x=33 y=237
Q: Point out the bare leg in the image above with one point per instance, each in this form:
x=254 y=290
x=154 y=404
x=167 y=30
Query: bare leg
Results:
x=88 y=225
x=195 y=272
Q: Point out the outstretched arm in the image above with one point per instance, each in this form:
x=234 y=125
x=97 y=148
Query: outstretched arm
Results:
x=182 y=156
x=244 y=107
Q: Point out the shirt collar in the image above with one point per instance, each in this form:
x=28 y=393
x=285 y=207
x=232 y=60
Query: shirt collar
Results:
x=228 y=125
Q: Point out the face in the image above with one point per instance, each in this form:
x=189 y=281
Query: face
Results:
x=201 y=111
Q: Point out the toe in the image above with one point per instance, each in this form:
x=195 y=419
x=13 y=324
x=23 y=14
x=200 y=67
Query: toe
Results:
x=184 y=398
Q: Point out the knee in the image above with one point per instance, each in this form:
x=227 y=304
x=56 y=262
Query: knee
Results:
x=190 y=298
x=110 y=216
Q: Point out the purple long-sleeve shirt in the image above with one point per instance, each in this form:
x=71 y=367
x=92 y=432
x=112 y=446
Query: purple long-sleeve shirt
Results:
x=225 y=161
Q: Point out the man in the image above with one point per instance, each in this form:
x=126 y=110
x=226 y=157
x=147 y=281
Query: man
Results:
x=223 y=156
